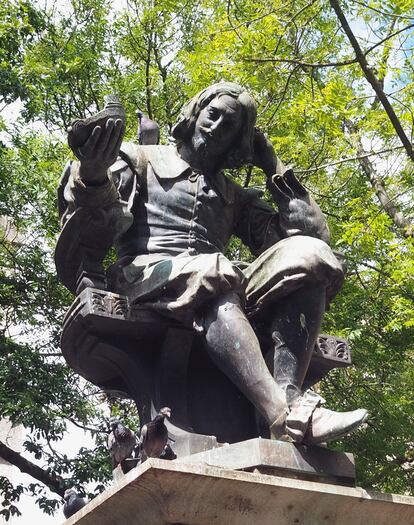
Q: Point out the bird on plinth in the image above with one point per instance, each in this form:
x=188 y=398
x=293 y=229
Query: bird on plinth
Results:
x=154 y=435
x=121 y=443
x=73 y=503
x=148 y=130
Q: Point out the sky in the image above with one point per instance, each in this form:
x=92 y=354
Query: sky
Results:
x=31 y=514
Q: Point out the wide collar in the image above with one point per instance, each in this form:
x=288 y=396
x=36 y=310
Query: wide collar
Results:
x=167 y=164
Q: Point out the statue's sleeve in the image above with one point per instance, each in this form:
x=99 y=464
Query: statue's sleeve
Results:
x=114 y=197
x=93 y=217
x=257 y=223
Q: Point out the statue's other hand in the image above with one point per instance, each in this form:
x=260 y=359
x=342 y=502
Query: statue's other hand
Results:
x=264 y=156
x=288 y=187
x=298 y=212
x=100 y=151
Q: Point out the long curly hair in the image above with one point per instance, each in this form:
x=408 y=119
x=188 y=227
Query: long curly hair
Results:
x=241 y=152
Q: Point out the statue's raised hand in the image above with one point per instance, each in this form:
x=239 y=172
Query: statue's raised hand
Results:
x=100 y=151
x=264 y=156
x=298 y=212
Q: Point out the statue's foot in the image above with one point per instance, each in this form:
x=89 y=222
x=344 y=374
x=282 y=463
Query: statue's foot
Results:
x=327 y=425
x=306 y=422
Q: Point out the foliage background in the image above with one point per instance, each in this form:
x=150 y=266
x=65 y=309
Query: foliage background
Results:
x=323 y=117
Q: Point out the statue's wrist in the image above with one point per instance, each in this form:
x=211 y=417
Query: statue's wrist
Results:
x=93 y=175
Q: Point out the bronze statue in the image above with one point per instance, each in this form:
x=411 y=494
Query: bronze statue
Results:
x=170 y=212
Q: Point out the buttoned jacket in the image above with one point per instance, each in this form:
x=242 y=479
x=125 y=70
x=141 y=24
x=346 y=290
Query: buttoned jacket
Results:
x=163 y=206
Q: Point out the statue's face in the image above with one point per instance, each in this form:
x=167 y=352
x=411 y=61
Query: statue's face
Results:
x=217 y=126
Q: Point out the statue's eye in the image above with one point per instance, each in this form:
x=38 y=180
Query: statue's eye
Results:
x=213 y=113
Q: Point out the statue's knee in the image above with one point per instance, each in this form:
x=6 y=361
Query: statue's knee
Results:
x=316 y=254
x=226 y=303
x=217 y=309
x=306 y=246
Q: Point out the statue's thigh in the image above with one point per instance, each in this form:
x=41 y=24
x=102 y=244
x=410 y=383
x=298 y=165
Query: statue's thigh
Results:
x=289 y=265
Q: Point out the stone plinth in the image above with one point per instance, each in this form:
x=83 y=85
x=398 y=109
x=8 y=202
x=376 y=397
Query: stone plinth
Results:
x=281 y=459
x=176 y=493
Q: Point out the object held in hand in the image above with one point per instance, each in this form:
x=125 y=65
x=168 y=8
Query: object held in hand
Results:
x=81 y=130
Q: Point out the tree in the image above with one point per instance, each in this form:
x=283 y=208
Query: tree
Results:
x=336 y=106
x=37 y=388
x=21 y=22
x=323 y=117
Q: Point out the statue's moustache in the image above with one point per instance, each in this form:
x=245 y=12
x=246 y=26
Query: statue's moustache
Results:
x=199 y=142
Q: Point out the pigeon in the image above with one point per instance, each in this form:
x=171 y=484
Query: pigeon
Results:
x=154 y=435
x=121 y=442
x=73 y=503
x=148 y=131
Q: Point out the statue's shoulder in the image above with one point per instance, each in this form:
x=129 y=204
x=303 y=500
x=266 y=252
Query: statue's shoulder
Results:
x=137 y=157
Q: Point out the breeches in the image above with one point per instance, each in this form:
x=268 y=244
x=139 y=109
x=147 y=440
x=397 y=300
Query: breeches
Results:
x=180 y=286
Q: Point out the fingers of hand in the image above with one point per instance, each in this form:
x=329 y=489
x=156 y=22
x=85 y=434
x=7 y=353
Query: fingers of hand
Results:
x=294 y=184
x=281 y=189
x=116 y=140
x=299 y=209
x=298 y=214
x=88 y=148
x=106 y=138
x=104 y=143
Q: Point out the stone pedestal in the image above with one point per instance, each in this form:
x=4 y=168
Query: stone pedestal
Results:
x=177 y=493
x=279 y=458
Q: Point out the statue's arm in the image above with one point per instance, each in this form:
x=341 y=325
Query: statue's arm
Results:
x=89 y=182
x=257 y=223
x=298 y=212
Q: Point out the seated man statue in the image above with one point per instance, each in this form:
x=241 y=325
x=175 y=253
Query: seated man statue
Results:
x=175 y=211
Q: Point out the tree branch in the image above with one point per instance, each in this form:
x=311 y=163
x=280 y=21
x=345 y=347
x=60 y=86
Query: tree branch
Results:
x=53 y=482
x=385 y=57
x=302 y=63
x=350 y=159
x=388 y=37
x=376 y=181
x=283 y=95
x=148 y=76
x=404 y=17
x=89 y=429
x=386 y=201
x=373 y=80
x=316 y=65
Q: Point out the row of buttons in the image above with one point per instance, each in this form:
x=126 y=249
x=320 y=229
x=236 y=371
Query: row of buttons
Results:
x=194 y=177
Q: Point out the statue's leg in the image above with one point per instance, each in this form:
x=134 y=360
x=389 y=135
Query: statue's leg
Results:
x=295 y=325
x=234 y=348
x=287 y=289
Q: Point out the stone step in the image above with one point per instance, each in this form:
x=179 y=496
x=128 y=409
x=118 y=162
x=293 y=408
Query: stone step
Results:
x=176 y=493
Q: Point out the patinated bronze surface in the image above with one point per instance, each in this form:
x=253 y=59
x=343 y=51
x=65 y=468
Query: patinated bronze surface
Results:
x=174 y=322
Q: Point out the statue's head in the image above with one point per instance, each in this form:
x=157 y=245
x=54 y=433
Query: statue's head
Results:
x=219 y=121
